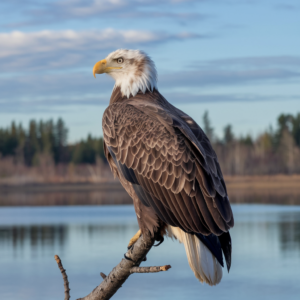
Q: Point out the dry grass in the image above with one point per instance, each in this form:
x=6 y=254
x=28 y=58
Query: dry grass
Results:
x=12 y=173
x=276 y=189
x=279 y=182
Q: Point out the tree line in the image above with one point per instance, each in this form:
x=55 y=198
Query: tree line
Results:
x=47 y=139
x=272 y=152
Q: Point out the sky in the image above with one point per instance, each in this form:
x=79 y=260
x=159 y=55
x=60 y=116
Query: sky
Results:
x=237 y=59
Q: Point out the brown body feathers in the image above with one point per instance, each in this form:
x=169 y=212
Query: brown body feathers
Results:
x=166 y=163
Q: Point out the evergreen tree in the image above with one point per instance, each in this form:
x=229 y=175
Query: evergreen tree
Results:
x=31 y=144
x=296 y=129
x=85 y=152
x=208 y=129
x=60 y=141
x=247 y=140
x=228 y=134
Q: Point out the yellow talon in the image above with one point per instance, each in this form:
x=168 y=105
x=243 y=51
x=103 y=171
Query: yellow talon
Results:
x=134 y=238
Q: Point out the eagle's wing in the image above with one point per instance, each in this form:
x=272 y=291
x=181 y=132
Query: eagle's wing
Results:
x=168 y=167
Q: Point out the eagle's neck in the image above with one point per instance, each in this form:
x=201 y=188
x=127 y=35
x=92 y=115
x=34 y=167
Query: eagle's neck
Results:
x=153 y=97
x=116 y=95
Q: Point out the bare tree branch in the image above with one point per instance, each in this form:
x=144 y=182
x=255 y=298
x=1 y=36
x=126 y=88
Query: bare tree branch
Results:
x=149 y=269
x=111 y=283
x=65 y=277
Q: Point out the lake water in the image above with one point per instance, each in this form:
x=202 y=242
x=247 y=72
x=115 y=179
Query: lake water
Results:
x=93 y=239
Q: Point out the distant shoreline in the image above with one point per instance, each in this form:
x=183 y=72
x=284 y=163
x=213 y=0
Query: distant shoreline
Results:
x=244 y=182
x=264 y=181
x=61 y=186
x=276 y=189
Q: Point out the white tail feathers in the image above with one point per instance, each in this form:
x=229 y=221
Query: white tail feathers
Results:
x=201 y=260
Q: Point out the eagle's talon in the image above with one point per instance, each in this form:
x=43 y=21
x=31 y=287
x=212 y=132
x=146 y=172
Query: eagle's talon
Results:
x=162 y=239
x=130 y=247
x=134 y=239
x=128 y=258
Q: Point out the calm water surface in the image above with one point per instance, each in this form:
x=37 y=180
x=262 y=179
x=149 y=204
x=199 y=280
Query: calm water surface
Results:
x=93 y=239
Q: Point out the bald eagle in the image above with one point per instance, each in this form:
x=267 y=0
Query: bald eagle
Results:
x=166 y=164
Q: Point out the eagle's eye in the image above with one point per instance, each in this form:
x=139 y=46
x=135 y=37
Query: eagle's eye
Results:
x=120 y=60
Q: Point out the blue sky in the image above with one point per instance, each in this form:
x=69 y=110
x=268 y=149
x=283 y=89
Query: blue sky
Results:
x=237 y=59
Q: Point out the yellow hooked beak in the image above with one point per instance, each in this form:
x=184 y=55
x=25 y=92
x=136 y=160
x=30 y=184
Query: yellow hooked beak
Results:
x=101 y=67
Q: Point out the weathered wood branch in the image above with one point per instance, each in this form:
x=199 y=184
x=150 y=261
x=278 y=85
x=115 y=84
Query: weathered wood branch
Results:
x=114 y=280
x=65 y=277
x=149 y=269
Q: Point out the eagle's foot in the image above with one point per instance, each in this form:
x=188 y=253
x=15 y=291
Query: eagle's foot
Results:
x=134 y=239
x=159 y=242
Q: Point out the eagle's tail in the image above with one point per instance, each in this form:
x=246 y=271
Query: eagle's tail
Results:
x=203 y=263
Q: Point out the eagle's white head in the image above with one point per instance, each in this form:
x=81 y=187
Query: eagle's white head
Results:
x=133 y=71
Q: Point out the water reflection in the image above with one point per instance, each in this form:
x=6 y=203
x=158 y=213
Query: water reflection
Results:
x=266 y=254
x=289 y=233
x=42 y=236
x=47 y=236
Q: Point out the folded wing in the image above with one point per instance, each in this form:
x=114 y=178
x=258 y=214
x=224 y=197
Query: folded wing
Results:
x=170 y=169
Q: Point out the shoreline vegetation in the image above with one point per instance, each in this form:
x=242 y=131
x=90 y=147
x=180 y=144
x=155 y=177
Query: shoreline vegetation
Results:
x=39 y=167
x=275 y=189
x=43 y=147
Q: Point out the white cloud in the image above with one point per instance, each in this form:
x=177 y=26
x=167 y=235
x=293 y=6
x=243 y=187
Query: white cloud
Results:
x=77 y=8
x=255 y=62
x=36 y=13
x=20 y=43
x=46 y=50
x=53 y=91
x=82 y=8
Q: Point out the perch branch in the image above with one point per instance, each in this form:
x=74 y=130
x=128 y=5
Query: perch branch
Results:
x=114 y=280
x=149 y=269
x=65 y=277
x=103 y=275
